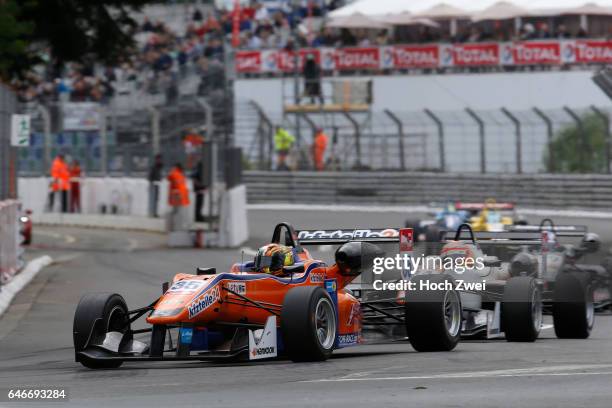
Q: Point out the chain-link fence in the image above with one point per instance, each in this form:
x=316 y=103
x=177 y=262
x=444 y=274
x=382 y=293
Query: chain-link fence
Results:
x=487 y=141
x=109 y=141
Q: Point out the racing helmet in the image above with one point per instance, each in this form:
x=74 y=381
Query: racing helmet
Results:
x=272 y=258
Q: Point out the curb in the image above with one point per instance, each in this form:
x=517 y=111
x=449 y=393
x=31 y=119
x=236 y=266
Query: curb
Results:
x=10 y=290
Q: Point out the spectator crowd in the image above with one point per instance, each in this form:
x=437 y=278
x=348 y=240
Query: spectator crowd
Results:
x=162 y=55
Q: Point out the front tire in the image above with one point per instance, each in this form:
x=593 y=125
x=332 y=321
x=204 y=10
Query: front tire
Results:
x=308 y=324
x=521 y=309
x=573 y=307
x=433 y=317
x=111 y=311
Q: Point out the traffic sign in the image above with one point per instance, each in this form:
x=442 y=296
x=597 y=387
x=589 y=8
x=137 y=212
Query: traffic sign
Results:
x=20 y=130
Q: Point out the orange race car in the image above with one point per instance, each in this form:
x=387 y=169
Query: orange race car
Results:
x=284 y=303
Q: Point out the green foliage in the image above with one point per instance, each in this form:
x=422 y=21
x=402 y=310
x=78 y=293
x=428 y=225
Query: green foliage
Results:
x=577 y=151
x=13 y=32
x=73 y=30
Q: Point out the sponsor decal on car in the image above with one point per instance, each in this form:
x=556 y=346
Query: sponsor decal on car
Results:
x=185 y=286
x=262 y=343
x=238 y=287
x=348 y=234
x=317 y=277
x=348 y=339
x=203 y=302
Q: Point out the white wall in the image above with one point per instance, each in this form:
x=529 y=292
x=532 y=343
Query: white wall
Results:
x=515 y=91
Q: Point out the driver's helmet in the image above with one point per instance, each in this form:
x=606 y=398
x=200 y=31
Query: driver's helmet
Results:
x=272 y=258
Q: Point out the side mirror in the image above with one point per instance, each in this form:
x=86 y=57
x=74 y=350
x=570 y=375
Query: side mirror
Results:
x=354 y=257
x=491 y=261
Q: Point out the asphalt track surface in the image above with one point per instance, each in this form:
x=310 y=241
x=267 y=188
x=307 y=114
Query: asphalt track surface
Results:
x=36 y=341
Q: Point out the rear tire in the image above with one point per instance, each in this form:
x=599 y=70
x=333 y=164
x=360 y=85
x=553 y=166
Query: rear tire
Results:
x=521 y=309
x=308 y=324
x=113 y=312
x=573 y=307
x=433 y=317
x=432 y=240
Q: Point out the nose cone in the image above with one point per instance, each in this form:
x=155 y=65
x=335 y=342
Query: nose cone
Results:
x=186 y=300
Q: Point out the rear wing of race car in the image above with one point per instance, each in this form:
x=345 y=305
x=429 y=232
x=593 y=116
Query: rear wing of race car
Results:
x=559 y=230
x=501 y=237
x=342 y=236
x=482 y=206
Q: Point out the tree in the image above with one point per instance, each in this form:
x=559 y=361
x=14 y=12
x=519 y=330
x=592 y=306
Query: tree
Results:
x=577 y=150
x=13 y=44
x=73 y=30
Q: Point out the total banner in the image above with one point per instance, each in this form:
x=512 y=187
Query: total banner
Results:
x=423 y=56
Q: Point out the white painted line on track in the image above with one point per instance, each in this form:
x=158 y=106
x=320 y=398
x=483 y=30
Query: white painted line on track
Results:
x=566 y=370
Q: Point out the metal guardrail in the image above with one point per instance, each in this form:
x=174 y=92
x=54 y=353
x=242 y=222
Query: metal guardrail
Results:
x=589 y=192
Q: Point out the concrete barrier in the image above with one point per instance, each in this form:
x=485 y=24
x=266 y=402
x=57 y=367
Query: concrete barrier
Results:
x=123 y=222
x=122 y=203
x=584 y=192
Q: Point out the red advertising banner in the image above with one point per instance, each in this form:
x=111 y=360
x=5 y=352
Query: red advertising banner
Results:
x=591 y=51
x=472 y=55
x=248 y=61
x=357 y=58
x=416 y=56
x=553 y=52
x=536 y=53
x=286 y=60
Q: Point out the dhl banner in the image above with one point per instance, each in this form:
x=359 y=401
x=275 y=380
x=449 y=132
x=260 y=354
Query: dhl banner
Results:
x=421 y=56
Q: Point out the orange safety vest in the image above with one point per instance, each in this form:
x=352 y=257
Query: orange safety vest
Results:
x=60 y=175
x=178 y=194
x=320 y=143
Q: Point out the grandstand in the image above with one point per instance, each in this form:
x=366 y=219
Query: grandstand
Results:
x=426 y=63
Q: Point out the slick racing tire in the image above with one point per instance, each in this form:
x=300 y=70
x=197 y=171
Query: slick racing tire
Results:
x=433 y=317
x=521 y=309
x=111 y=311
x=573 y=306
x=432 y=240
x=308 y=324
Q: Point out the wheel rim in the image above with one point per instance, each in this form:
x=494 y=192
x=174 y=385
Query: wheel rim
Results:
x=452 y=313
x=536 y=310
x=325 y=323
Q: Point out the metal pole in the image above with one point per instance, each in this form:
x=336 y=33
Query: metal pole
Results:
x=400 y=134
x=357 y=138
x=44 y=112
x=585 y=147
x=549 y=138
x=606 y=120
x=313 y=128
x=481 y=132
x=103 y=143
x=517 y=127
x=208 y=112
x=155 y=136
x=440 y=126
